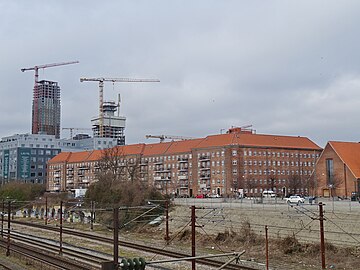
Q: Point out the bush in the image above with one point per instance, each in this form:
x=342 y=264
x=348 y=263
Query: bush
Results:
x=20 y=191
x=290 y=245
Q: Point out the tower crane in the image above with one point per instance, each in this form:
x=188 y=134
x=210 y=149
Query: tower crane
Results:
x=35 y=91
x=101 y=92
x=36 y=68
x=169 y=137
x=72 y=129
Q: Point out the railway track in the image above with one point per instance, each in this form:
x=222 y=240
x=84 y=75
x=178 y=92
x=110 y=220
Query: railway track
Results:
x=154 y=250
x=86 y=256
x=39 y=255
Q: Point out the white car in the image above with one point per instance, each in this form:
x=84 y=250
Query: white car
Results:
x=295 y=200
x=214 y=196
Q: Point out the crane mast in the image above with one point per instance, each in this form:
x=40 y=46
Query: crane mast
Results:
x=101 y=81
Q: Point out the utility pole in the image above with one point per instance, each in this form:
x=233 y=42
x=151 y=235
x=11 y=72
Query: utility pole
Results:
x=322 y=238
x=116 y=238
x=267 y=247
x=8 y=236
x=2 y=218
x=61 y=229
x=167 y=238
x=193 y=242
x=46 y=210
x=92 y=215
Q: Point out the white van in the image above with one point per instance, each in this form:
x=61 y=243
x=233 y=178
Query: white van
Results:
x=268 y=194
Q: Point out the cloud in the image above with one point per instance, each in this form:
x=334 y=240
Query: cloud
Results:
x=286 y=67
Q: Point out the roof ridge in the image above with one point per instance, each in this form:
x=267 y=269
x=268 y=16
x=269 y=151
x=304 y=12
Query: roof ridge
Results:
x=342 y=159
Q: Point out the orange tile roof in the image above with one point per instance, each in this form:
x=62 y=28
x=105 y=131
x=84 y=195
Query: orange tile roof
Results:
x=61 y=157
x=241 y=139
x=260 y=140
x=183 y=146
x=156 y=148
x=349 y=152
x=131 y=149
x=95 y=155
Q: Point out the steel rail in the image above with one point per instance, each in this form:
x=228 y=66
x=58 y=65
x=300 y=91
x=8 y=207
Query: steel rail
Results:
x=159 y=251
x=53 y=248
x=47 y=258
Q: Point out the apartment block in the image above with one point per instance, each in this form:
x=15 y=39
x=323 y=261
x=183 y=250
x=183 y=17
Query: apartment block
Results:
x=24 y=157
x=239 y=161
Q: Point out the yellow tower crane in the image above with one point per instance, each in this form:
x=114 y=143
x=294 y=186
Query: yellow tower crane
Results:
x=169 y=137
x=101 y=93
x=72 y=129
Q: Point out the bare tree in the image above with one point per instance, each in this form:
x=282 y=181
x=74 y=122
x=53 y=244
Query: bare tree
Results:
x=271 y=183
x=250 y=185
x=295 y=183
x=310 y=184
x=132 y=168
x=119 y=180
x=111 y=165
x=334 y=183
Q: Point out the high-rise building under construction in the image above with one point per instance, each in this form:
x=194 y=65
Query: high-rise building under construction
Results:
x=46 y=109
x=113 y=126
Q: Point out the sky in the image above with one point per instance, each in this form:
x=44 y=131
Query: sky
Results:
x=284 y=67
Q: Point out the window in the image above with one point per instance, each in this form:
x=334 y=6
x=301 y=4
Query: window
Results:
x=234 y=153
x=329 y=171
x=234 y=162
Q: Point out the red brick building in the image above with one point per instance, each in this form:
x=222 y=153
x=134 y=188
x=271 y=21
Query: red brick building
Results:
x=225 y=164
x=338 y=170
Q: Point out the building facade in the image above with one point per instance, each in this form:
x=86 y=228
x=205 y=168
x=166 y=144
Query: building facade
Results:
x=46 y=109
x=338 y=170
x=225 y=164
x=24 y=157
x=113 y=126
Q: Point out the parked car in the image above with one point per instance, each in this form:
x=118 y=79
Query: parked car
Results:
x=214 y=196
x=268 y=194
x=200 y=196
x=295 y=199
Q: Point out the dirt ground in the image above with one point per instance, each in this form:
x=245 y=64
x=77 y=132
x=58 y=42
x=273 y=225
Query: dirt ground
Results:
x=228 y=226
x=293 y=232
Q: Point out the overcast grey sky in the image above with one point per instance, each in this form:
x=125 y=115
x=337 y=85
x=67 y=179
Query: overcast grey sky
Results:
x=286 y=67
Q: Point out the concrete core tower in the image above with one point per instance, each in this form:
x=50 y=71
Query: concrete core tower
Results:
x=113 y=126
